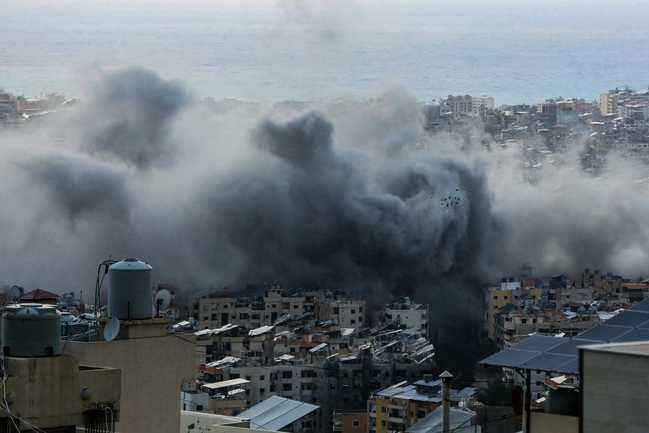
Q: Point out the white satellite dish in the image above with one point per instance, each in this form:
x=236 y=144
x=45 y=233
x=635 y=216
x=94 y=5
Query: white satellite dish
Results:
x=162 y=300
x=111 y=330
x=15 y=293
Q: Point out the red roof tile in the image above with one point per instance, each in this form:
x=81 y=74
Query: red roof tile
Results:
x=39 y=295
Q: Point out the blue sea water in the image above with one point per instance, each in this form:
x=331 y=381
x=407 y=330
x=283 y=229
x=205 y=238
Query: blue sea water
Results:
x=514 y=53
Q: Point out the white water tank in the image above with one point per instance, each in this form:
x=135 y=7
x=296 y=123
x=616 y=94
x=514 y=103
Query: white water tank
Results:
x=31 y=330
x=129 y=295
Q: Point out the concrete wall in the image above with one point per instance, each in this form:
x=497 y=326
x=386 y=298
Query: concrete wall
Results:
x=153 y=370
x=552 y=423
x=615 y=392
x=353 y=422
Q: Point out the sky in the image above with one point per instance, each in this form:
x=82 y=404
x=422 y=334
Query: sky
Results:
x=256 y=48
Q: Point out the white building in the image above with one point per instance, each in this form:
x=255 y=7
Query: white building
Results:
x=409 y=315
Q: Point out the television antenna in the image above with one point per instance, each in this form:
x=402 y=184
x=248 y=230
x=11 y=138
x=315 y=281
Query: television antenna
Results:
x=111 y=330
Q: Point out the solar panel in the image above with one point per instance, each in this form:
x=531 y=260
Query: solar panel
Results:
x=634 y=335
x=539 y=343
x=549 y=362
x=629 y=318
x=604 y=333
x=546 y=353
x=642 y=306
x=571 y=367
x=510 y=358
x=570 y=346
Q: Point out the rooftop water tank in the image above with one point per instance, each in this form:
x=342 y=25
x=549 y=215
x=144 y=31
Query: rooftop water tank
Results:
x=129 y=295
x=31 y=330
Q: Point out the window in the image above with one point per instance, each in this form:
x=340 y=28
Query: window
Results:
x=383 y=423
x=421 y=413
x=287 y=387
x=384 y=409
x=247 y=377
x=353 y=321
x=353 y=311
x=262 y=390
x=523 y=321
x=272 y=388
x=199 y=407
x=360 y=309
x=356 y=423
x=495 y=298
x=287 y=374
x=262 y=377
x=506 y=297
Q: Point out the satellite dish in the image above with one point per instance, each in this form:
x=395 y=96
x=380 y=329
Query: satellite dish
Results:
x=15 y=293
x=111 y=330
x=162 y=300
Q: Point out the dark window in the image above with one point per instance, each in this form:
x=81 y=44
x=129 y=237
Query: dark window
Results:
x=356 y=423
x=287 y=374
x=272 y=388
x=262 y=390
x=199 y=407
x=353 y=311
x=495 y=298
x=421 y=413
x=262 y=377
x=287 y=387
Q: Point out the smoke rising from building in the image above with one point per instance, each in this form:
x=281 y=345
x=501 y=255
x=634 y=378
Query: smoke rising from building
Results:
x=344 y=194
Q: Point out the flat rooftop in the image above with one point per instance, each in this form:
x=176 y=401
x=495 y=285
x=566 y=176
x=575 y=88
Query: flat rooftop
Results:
x=640 y=348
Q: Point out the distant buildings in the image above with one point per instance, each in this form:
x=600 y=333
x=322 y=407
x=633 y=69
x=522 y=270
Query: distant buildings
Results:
x=467 y=105
x=401 y=406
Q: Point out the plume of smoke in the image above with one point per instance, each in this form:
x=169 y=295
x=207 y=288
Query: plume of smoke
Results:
x=127 y=117
x=353 y=195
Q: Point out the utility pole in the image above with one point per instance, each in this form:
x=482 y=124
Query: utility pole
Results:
x=446 y=377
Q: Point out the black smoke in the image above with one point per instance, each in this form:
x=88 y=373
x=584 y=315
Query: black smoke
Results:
x=308 y=213
x=353 y=196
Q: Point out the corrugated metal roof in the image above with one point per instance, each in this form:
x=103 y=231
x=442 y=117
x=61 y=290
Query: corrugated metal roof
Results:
x=276 y=413
x=433 y=422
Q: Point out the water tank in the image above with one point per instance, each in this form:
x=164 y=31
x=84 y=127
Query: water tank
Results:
x=129 y=295
x=31 y=330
